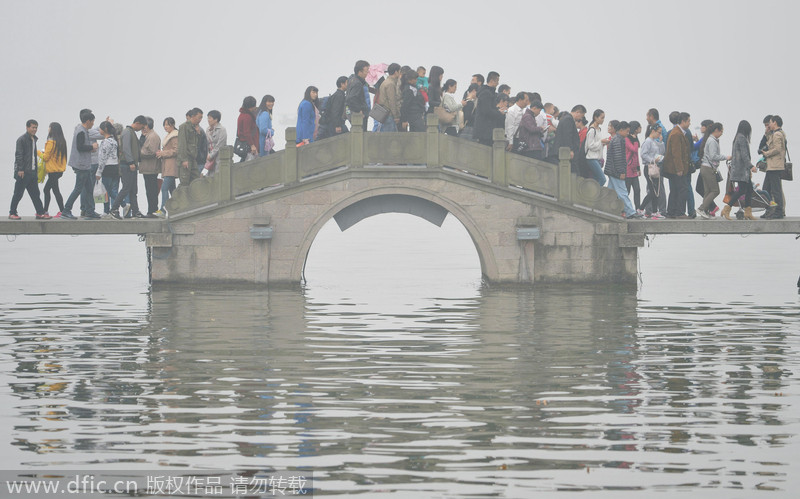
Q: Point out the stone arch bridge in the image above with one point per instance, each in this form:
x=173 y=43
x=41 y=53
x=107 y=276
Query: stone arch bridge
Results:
x=529 y=220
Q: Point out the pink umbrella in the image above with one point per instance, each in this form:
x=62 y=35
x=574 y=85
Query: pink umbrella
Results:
x=376 y=71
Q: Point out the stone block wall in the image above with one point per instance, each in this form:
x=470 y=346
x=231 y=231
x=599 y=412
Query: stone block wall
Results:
x=218 y=246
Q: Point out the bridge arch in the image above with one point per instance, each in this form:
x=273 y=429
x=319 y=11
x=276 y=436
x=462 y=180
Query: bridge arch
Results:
x=429 y=205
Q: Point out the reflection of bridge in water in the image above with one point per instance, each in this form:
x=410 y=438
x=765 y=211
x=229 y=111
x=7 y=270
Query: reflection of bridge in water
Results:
x=529 y=220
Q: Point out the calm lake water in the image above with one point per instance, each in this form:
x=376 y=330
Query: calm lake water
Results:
x=395 y=373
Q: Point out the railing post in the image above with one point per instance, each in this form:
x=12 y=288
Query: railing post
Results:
x=564 y=175
x=290 y=175
x=499 y=157
x=432 y=140
x=224 y=174
x=357 y=140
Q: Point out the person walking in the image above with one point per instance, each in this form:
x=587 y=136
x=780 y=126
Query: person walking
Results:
x=594 y=145
x=652 y=155
x=435 y=91
x=150 y=167
x=55 y=161
x=709 y=169
x=188 y=142
x=676 y=166
x=634 y=167
x=775 y=154
x=264 y=124
x=452 y=105
x=25 y=172
x=616 y=168
x=390 y=93
x=357 y=92
x=741 y=172
x=80 y=159
x=128 y=165
x=306 y=116
x=487 y=114
x=246 y=128
x=412 y=108
x=169 y=166
x=531 y=133
x=217 y=137
x=108 y=162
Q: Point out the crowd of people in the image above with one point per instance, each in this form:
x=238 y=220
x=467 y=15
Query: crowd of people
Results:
x=397 y=98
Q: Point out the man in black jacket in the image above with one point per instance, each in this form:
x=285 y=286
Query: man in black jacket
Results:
x=487 y=115
x=567 y=136
x=331 y=122
x=356 y=98
x=25 y=170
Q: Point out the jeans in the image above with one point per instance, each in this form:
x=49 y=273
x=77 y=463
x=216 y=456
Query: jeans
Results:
x=389 y=126
x=596 y=170
x=52 y=185
x=677 y=195
x=84 y=183
x=167 y=186
x=29 y=183
x=618 y=185
x=689 y=195
x=111 y=184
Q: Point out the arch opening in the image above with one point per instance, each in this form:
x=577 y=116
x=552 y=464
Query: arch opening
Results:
x=394 y=238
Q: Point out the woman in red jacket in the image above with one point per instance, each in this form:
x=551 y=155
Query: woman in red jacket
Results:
x=246 y=128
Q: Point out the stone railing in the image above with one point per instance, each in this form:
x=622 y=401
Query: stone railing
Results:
x=430 y=150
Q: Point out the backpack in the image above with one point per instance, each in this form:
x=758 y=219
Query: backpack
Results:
x=323 y=114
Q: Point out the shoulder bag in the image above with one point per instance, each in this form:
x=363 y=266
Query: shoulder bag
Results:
x=379 y=113
x=241 y=148
x=445 y=118
x=787 y=167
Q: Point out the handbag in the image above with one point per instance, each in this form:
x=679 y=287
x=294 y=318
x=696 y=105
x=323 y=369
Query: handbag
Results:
x=717 y=174
x=379 y=113
x=241 y=148
x=269 y=142
x=445 y=117
x=762 y=165
x=653 y=171
x=787 y=167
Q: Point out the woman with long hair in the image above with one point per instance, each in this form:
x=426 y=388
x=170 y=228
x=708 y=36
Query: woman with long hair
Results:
x=741 y=171
x=108 y=162
x=55 y=158
x=264 y=123
x=634 y=169
x=710 y=158
x=452 y=105
x=306 y=116
x=246 y=128
x=652 y=155
x=594 y=146
x=169 y=165
x=435 y=88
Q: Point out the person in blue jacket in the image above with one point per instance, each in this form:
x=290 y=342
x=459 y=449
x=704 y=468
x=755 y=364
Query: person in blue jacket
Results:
x=306 y=116
x=264 y=123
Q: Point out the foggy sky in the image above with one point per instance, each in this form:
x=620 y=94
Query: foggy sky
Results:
x=725 y=60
